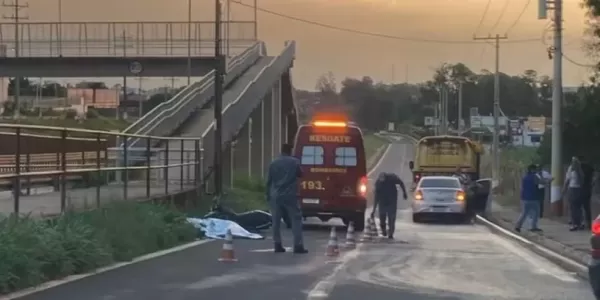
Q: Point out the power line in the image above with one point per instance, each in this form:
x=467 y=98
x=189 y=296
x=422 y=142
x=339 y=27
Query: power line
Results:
x=375 y=34
x=506 y=2
x=519 y=17
x=576 y=63
x=485 y=11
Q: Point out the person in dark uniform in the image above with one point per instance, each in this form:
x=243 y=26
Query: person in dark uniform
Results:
x=282 y=191
x=586 y=192
x=386 y=197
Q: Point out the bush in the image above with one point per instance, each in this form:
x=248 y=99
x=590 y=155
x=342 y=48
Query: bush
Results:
x=33 y=251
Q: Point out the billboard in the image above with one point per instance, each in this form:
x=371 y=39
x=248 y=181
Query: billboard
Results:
x=101 y=98
x=536 y=124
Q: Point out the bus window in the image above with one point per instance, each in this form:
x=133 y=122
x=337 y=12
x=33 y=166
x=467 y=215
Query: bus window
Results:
x=312 y=155
x=345 y=156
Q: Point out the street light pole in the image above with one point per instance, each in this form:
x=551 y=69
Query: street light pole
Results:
x=219 y=73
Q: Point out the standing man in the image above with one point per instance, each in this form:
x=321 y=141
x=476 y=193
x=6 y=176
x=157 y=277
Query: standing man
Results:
x=586 y=192
x=572 y=188
x=544 y=179
x=282 y=190
x=386 y=195
x=530 y=206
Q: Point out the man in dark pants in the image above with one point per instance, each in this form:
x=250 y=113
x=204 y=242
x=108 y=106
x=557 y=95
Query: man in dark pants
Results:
x=586 y=192
x=386 y=196
x=282 y=195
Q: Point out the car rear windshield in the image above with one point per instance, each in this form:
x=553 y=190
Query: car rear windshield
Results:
x=440 y=183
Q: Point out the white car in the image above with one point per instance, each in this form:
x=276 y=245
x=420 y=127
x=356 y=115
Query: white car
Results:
x=438 y=195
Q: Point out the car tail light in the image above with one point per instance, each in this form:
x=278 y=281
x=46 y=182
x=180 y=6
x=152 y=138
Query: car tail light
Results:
x=460 y=196
x=362 y=186
x=418 y=195
x=595 y=240
x=596 y=227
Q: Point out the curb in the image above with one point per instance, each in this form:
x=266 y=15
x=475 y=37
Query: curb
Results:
x=551 y=250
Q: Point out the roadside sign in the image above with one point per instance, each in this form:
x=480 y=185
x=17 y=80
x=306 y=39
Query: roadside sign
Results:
x=430 y=121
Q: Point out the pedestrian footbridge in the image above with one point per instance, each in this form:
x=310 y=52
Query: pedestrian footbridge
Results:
x=258 y=115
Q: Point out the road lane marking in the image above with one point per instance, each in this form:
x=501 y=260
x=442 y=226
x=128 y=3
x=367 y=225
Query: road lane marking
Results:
x=324 y=287
x=287 y=249
x=376 y=166
x=52 y=284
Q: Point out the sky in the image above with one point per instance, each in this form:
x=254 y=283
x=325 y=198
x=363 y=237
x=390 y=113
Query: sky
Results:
x=320 y=50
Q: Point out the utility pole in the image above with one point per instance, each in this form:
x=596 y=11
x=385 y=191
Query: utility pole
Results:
x=219 y=73
x=459 y=126
x=495 y=150
x=557 y=95
x=16 y=17
x=140 y=103
x=393 y=73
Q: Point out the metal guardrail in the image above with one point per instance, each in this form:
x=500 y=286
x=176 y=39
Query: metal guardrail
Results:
x=101 y=172
x=121 y=39
x=165 y=118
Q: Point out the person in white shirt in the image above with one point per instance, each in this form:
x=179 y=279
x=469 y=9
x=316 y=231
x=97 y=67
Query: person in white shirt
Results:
x=572 y=187
x=544 y=179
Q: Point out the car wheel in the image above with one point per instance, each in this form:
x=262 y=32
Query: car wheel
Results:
x=359 y=222
x=416 y=218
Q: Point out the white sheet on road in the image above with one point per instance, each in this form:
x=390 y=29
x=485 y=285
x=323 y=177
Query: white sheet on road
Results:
x=217 y=228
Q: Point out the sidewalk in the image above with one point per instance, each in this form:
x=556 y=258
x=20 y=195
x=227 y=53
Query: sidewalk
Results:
x=555 y=236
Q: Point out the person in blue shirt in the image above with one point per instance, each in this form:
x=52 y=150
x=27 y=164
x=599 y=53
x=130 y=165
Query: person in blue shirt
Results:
x=529 y=199
x=282 y=190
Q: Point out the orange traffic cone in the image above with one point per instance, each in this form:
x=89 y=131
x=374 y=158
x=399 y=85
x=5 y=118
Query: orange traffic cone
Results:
x=332 y=247
x=350 y=241
x=227 y=254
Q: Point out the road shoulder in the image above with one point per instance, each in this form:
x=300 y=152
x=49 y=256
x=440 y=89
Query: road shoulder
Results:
x=556 y=243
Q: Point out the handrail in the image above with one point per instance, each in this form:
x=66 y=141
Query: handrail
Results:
x=290 y=46
x=91 y=131
x=166 y=113
x=162 y=106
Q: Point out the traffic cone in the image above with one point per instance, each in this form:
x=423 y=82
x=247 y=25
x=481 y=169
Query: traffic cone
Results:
x=350 y=241
x=368 y=233
x=332 y=246
x=227 y=254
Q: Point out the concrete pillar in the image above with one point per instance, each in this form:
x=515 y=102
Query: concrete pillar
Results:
x=276 y=98
x=242 y=153
x=257 y=152
x=267 y=130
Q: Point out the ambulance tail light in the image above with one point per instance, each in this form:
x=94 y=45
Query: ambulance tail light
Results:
x=362 y=186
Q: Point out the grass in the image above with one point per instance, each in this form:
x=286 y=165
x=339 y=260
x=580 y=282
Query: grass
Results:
x=372 y=143
x=33 y=251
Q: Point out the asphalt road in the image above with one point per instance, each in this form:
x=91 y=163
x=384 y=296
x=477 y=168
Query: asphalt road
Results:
x=428 y=261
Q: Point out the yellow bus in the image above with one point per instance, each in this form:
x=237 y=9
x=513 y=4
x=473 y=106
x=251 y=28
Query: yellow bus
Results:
x=443 y=155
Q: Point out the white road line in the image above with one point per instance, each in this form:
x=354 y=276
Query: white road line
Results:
x=325 y=286
x=539 y=247
x=52 y=284
x=376 y=166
